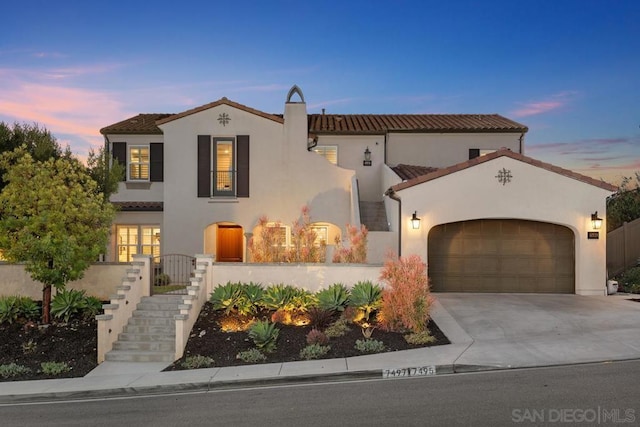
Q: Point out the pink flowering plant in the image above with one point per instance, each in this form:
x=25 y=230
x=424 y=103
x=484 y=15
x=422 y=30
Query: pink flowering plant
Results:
x=356 y=252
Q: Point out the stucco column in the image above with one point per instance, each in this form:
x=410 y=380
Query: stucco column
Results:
x=247 y=238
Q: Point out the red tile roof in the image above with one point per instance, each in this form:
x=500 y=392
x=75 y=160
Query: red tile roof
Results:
x=140 y=124
x=438 y=123
x=222 y=101
x=139 y=206
x=406 y=172
x=500 y=153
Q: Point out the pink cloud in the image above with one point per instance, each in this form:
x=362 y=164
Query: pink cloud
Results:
x=553 y=102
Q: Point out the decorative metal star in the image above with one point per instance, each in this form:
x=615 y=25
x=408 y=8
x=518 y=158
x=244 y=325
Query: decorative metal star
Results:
x=504 y=176
x=223 y=119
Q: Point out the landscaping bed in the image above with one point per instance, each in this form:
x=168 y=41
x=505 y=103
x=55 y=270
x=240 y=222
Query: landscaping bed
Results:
x=207 y=339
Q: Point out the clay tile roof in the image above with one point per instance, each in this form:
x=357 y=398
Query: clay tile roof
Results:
x=406 y=172
x=423 y=123
x=221 y=101
x=508 y=153
x=140 y=124
x=139 y=206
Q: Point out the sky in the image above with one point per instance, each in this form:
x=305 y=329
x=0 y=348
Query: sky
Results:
x=567 y=69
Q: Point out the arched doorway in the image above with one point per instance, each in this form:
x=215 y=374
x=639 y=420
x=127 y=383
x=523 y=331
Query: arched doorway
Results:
x=225 y=241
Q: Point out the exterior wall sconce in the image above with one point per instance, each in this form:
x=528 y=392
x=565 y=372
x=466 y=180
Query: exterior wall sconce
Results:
x=596 y=222
x=367 y=157
x=415 y=221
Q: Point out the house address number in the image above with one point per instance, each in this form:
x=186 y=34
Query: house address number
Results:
x=420 y=371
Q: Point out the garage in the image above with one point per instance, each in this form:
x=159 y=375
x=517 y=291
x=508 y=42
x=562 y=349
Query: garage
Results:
x=501 y=255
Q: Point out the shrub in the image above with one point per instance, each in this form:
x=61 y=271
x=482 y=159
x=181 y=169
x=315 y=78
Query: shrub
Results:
x=268 y=244
x=28 y=308
x=278 y=297
x=226 y=297
x=54 y=368
x=366 y=297
x=13 y=370
x=197 y=361
x=314 y=351
x=319 y=318
x=420 y=338
x=92 y=306
x=162 y=279
x=29 y=346
x=337 y=329
x=264 y=335
x=67 y=304
x=317 y=337
x=9 y=309
x=279 y=316
x=252 y=355
x=369 y=346
x=253 y=292
x=357 y=250
x=407 y=299
x=335 y=297
x=303 y=241
x=350 y=314
x=629 y=278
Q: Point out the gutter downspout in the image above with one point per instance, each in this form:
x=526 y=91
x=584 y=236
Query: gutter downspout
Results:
x=521 y=139
x=392 y=196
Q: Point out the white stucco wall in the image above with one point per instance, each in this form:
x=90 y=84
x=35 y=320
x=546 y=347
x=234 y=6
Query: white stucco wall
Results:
x=441 y=150
x=533 y=194
x=284 y=176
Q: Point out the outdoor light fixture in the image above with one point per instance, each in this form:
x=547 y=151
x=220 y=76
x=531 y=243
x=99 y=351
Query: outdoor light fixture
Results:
x=596 y=222
x=367 y=157
x=415 y=221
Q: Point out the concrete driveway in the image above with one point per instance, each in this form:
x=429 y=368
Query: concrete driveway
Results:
x=525 y=330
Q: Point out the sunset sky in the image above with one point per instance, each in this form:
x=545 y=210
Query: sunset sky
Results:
x=569 y=70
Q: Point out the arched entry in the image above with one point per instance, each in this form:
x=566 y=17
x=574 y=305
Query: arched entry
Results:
x=226 y=241
x=501 y=255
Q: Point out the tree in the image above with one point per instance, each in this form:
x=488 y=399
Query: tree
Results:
x=53 y=218
x=38 y=142
x=624 y=205
x=105 y=174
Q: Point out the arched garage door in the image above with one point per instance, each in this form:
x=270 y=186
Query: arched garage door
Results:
x=501 y=255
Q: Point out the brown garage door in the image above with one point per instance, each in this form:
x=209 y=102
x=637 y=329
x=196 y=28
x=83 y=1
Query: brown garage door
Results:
x=501 y=256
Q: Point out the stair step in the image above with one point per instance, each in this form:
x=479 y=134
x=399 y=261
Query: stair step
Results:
x=139 y=356
x=149 y=329
x=162 y=306
x=155 y=313
x=152 y=321
x=159 y=346
x=146 y=337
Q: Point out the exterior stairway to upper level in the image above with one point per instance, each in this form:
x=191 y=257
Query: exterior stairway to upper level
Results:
x=374 y=216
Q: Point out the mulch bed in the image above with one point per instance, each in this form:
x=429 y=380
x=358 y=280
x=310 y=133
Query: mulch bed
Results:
x=207 y=339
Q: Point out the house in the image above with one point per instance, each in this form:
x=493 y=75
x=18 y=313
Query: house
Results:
x=486 y=217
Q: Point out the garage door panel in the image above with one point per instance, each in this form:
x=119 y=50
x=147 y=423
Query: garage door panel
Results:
x=502 y=256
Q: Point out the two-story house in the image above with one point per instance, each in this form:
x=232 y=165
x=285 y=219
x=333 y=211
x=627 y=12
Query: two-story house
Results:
x=455 y=189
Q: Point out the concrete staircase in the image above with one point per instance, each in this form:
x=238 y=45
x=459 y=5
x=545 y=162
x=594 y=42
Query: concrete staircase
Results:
x=374 y=216
x=150 y=334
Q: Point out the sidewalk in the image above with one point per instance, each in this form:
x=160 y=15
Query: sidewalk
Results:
x=487 y=331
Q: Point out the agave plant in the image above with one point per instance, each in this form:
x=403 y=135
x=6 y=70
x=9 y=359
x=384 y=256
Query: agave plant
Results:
x=278 y=297
x=367 y=297
x=68 y=303
x=335 y=297
x=264 y=335
x=226 y=297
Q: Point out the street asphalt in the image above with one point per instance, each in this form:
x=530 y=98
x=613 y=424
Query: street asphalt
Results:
x=487 y=331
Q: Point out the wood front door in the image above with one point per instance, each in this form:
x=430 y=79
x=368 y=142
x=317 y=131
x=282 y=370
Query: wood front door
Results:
x=229 y=243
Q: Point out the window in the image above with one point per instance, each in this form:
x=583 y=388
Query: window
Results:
x=477 y=152
x=142 y=162
x=329 y=152
x=137 y=239
x=281 y=237
x=223 y=166
x=223 y=171
x=139 y=163
x=322 y=234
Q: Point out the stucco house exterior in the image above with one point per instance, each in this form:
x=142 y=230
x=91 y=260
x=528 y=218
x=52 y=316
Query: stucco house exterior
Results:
x=489 y=218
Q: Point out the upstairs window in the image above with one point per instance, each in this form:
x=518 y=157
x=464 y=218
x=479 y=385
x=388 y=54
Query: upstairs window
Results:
x=142 y=162
x=223 y=166
x=139 y=163
x=329 y=152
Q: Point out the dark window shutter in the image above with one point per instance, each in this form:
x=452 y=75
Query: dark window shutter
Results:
x=119 y=152
x=204 y=166
x=156 y=152
x=473 y=153
x=242 y=159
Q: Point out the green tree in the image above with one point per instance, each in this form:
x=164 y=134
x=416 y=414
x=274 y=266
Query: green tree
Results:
x=105 y=174
x=624 y=205
x=38 y=142
x=53 y=218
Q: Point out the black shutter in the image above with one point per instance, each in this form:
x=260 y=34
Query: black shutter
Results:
x=156 y=153
x=242 y=147
x=119 y=152
x=473 y=153
x=204 y=166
